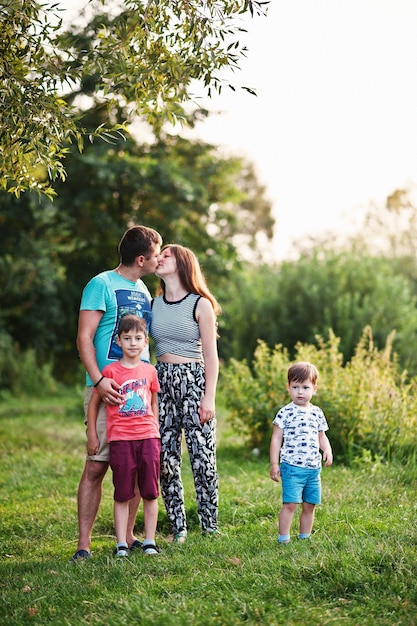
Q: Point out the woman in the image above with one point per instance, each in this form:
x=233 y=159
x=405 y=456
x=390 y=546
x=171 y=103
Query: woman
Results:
x=184 y=330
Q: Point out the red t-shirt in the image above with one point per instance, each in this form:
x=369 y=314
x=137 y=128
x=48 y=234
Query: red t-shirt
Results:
x=134 y=419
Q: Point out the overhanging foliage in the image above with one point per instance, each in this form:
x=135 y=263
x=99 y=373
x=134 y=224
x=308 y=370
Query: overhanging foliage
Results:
x=145 y=53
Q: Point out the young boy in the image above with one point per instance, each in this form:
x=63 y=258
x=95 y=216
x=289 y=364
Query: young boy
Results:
x=298 y=436
x=132 y=432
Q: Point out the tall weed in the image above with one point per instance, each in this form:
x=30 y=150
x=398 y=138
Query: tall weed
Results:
x=369 y=403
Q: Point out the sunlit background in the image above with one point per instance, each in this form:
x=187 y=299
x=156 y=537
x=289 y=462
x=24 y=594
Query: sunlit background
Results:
x=333 y=126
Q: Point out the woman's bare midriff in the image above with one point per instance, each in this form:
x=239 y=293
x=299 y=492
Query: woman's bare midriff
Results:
x=175 y=358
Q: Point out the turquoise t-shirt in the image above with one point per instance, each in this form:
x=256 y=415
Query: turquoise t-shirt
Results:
x=115 y=296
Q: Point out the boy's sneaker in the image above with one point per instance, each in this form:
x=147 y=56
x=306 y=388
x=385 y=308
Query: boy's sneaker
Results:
x=150 y=549
x=122 y=550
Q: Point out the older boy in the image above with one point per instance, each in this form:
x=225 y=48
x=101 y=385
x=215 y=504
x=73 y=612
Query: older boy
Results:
x=132 y=433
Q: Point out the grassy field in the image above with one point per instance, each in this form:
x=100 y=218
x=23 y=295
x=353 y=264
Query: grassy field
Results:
x=359 y=567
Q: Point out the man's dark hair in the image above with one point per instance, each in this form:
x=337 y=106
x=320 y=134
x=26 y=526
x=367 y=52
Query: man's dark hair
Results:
x=138 y=241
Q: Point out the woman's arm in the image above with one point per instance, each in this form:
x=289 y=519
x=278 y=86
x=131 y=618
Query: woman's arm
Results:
x=208 y=330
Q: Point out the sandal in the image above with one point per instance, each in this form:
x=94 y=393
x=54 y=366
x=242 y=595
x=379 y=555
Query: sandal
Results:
x=122 y=550
x=80 y=555
x=150 y=549
x=211 y=533
x=180 y=537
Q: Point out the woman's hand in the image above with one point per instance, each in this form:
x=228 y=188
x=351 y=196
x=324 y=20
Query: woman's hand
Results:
x=207 y=410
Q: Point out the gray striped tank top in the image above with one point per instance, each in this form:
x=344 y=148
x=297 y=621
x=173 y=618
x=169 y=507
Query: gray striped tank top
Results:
x=174 y=327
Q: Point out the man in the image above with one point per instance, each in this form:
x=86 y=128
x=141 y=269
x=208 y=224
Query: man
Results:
x=105 y=299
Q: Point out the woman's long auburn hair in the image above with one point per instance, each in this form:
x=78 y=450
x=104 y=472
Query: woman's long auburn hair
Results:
x=190 y=274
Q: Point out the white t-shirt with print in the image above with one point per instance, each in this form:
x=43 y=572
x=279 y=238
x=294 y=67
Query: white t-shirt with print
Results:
x=301 y=427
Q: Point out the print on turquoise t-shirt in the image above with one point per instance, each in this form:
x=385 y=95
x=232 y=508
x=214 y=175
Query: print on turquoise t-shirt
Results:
x=115 y=296
x=128 y=303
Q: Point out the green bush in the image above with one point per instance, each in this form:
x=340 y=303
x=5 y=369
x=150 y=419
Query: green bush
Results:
x=21 y=372
x=344 y=290
x=369 y=403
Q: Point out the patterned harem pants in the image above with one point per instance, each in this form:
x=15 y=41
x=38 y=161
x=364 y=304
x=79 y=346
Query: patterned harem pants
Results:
x=182 y=387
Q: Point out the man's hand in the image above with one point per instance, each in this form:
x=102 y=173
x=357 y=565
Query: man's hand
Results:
x=109 y=392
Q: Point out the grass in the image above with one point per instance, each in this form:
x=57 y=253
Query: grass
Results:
x=359 y=567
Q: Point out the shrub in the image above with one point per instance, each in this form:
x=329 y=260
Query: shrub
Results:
x=21 y=373
x=368 y=402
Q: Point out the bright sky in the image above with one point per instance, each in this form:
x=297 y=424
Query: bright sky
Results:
x=334 y=125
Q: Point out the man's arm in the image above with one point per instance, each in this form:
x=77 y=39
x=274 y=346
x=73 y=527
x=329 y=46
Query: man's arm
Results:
x=88 y=322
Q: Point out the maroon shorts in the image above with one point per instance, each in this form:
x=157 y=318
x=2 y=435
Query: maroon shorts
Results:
x=129 y=459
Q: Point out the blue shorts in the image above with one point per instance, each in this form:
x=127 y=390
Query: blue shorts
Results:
x=300 y=484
